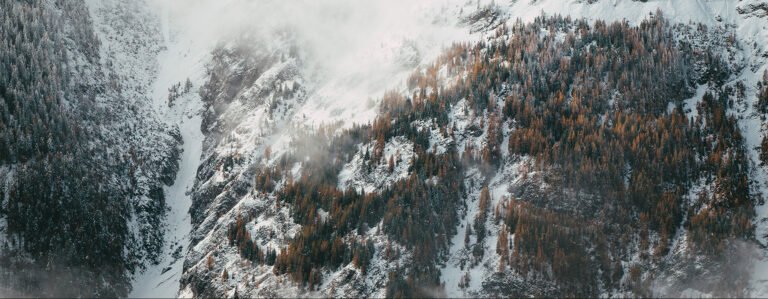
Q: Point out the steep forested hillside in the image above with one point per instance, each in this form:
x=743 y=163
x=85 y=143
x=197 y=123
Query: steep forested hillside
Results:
x=581 y=156
x=275 y=149
x=71 y=183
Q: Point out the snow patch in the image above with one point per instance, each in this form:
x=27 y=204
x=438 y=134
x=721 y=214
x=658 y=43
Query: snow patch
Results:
x=354 y=174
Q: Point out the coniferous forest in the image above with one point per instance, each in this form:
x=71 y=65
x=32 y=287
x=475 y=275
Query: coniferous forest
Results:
x=556 y=157
x=70 y=186
x=600 y=109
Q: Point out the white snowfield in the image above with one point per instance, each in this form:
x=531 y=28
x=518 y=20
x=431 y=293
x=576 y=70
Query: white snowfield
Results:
x=182 y=60
x=355 y=50
x=177 y=63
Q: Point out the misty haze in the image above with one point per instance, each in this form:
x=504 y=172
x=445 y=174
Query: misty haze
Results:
x=343 y=148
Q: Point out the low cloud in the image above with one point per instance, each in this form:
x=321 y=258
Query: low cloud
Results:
x=352 y=50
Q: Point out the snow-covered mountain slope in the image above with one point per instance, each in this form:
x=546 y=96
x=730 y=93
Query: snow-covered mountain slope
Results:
x=346 y=148
x=130 y=60
x=746 y=21
x=324 y=102
x=175 y=95
x=86 y=211
x=258 y=93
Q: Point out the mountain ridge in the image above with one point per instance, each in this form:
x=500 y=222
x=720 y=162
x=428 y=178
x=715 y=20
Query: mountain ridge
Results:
x=426 y=144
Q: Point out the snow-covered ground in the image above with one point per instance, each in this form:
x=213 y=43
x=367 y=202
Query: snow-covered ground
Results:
x=182 y=60
x=162 y=280
x=353 y=174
